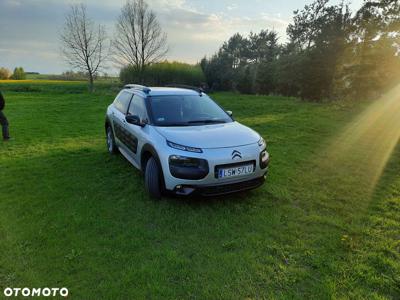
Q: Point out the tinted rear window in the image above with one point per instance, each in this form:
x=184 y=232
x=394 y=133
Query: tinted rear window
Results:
x=122 y=102
x=138 y=107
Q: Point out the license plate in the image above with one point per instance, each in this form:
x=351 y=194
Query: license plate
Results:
x=236 y=171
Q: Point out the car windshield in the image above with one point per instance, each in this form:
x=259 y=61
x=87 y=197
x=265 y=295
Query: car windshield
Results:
x=186 y=110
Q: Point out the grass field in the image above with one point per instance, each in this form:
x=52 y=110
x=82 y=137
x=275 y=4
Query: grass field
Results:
x=326 y=225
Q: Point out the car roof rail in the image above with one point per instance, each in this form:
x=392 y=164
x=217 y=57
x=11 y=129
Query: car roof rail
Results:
x=185 y=86
x=139 y=87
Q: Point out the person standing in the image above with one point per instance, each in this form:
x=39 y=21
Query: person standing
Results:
x=3 y=119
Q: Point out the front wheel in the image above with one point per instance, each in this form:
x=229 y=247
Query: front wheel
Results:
x=152 y=178
x=111 y=147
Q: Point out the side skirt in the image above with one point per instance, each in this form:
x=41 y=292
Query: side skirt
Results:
x=128 y=157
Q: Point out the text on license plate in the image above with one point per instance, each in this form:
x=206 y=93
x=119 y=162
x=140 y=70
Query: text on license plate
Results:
x=236 y=171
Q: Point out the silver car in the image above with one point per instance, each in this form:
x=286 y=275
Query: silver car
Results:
x=184 y=142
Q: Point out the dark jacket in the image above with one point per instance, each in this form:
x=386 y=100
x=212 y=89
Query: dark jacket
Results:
x=2 y=101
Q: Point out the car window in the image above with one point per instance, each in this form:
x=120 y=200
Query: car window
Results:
x=138 y=107
x=122 y=102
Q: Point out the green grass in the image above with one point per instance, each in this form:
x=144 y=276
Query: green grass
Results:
x=72 y=215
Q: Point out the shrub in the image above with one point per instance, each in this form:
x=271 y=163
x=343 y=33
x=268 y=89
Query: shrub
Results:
x=19 y=74
x=4 y=73
x=70 y=76
x=164 y=73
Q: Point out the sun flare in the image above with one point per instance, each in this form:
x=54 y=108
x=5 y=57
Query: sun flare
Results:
x=367 y=142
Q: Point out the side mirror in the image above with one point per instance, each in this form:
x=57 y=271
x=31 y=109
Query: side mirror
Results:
x=134 y=120
x=230 y=113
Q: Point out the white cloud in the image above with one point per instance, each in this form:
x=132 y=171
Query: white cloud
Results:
x=206 y=32
x=192 y=31
x=13 y=3
x=232 y=6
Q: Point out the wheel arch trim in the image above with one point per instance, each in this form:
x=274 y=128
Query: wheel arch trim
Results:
x=107 y=122
x=148 y=148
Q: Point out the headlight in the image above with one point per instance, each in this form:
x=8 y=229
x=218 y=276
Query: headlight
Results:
x=184 y=148
x=264 y=159
x=188 y=167
x=262 y=142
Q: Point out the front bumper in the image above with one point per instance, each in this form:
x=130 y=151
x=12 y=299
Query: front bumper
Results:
x=215 y=158
x=218 y=190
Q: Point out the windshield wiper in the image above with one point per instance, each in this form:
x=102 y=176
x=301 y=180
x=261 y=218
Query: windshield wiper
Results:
x=176 y=124
x=210 y=121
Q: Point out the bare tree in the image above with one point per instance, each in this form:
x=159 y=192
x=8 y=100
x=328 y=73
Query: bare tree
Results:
x=139 y=39
x=83 y=43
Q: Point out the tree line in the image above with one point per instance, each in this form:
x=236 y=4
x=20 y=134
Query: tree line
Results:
x=331 y=53
x=164 y=73
x=18 y=74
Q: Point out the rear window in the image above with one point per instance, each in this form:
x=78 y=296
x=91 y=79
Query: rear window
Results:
x=122 y=102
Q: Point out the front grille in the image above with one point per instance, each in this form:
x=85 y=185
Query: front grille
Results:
x=232 y=187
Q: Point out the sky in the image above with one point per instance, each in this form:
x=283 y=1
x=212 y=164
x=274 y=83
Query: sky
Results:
x=30 y=29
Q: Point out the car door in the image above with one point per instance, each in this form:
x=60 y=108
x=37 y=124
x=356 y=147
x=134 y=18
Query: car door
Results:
x=121 y=105
x=137 y=133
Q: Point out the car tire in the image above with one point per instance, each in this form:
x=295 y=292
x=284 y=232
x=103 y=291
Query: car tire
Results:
x=111 y=146
x=152 y=178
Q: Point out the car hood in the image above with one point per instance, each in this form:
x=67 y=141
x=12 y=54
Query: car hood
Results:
x=224 y=135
